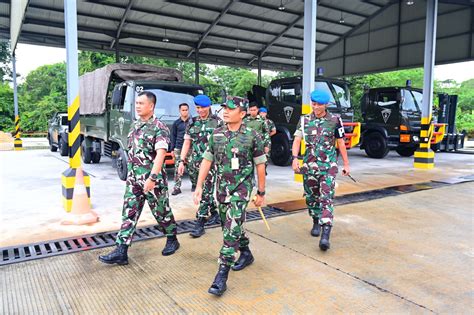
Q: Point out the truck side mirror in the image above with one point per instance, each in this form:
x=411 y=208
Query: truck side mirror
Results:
x=117 y=97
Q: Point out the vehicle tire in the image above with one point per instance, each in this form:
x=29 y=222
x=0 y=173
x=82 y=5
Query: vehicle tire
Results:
x=95 y=157
x=52 y=147
x=376 y=145
x=86 y=153
x=63 y=147
x=122 y=164
x=280 y=153
x=405 y=151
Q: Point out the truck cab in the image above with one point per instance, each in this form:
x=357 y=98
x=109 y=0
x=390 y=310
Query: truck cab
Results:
x=391 y=120
x=57 y=126
x=283 y=98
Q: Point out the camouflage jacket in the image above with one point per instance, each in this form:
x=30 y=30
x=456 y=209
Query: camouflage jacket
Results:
x=270 y=126
x=259 y=125
x=320 y=136
x=246 y=145
x=144 y=138
x=199 y=131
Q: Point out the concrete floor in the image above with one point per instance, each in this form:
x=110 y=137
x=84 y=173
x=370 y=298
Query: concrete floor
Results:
x=30 y=190
x=412 y=253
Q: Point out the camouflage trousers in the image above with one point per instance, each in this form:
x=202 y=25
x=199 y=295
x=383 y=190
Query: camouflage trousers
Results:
x=208 y=202
x=319 y=192
x=233 y=216
x=134 y=200
x=177 y=177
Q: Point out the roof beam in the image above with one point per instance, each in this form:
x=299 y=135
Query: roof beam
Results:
x=122 y=22
x=152 y=25
x=209 y=29
x=289 y=27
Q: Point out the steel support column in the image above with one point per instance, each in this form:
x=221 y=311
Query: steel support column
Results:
x=309 y=62
x=196 y=66
x=259 y=70
x=424 y=156
x=74 y=137
x=17 y=143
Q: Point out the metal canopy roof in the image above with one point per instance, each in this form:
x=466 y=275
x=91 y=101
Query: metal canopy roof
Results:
x=375 y=35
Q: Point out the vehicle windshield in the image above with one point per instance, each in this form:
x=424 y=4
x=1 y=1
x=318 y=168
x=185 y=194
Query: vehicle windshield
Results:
x=418 y=98
x=342 y=94
x=64 y=121
x=167 y=102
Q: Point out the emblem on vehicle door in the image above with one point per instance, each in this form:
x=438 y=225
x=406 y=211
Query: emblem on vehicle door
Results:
x=288 y=112
x=121 y=122
x=386 y=114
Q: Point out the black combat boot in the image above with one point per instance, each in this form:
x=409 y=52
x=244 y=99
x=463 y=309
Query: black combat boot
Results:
x=117 y=256
x=198 y=228
x=245 y=259
x=324 y=242
x=214 y=218
x=176 y=191
x=316 y=230
x=171 y=246
x=219 y=285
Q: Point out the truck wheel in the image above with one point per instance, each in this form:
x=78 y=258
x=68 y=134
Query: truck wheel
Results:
x=405 y=151
x=376 y=145
x=280 y=153
x=52 y=147
x=122 y=164
x=95 y=157
x=63 y=147
x=86 y=153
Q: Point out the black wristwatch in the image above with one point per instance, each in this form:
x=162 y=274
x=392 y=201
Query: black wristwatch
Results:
x=295 y=157
x=154 y=177
x=260 y=193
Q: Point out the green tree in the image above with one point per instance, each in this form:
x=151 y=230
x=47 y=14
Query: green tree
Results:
x=5 y=60
x=7 y=113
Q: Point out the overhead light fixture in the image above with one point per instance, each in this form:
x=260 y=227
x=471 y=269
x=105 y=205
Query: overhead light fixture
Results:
x=281 y=7
x=410 y=2
x=237 y=47
x=293 y=57
x=341 y=20
x=165 y=39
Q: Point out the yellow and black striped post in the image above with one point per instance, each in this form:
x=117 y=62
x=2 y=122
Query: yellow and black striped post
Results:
x=68 y=178
x=305 y=109
x=424 y=156
x=17 y=142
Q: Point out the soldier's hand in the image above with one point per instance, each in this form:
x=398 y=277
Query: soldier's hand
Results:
x=258 y=200
x=346 y=170
x=181 y=168
x=149 y=185
x=296 y=165
x=197 y=196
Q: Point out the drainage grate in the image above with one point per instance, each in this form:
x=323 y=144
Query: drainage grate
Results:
x=21 y=253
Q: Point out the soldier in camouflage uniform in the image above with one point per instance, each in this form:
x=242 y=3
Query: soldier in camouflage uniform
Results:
x=270 y=125
x=320 y=130
x=148 y=142
x=256 y=122
x=197 y=135
x=236 y=151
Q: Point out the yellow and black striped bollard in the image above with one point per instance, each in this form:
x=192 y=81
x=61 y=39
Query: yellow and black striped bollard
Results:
x=424 y=156
x=17 y=143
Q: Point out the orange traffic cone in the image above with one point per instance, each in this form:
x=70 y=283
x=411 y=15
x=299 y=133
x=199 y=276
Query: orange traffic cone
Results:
x=81 y=212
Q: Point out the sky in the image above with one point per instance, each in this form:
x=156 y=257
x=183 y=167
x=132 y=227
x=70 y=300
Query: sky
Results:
x=30 y=57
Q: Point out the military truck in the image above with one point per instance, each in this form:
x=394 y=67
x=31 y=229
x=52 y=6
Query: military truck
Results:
x=283 y=98
x=57 y=126
x=108 y=107
x=392 y=121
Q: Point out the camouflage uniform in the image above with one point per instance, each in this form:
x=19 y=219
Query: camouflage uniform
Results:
x=198 y=131
x=258 y=124
x=143 y=141
x=320 y=163
x=234 y=186
x=270 y=125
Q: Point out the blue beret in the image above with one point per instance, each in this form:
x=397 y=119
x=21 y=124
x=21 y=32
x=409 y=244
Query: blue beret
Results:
x=202 y=100
x=320 y=96
x=263 y=110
